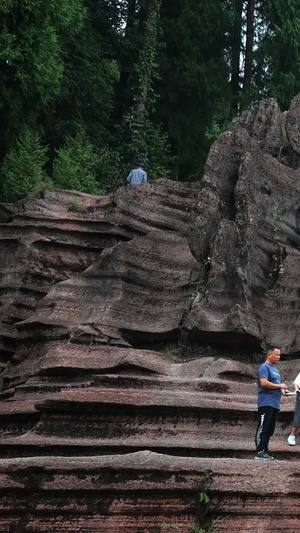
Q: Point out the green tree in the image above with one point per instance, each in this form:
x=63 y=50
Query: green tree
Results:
x=193 y=86
x=145 y=72
x=76 y=166
x=31 y=59
x=279 y=51
x=140 y=137
x=127 y=54
x=54 y=76
x=264 y=48
x=23 y=168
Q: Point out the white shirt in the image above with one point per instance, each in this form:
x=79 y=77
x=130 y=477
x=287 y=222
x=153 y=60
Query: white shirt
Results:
x=297 y=380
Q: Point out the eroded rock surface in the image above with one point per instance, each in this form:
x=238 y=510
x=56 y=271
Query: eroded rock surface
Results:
x=244 y=227
x=131 y=328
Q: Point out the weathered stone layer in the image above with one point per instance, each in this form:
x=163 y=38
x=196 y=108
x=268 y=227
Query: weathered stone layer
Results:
x=122 y=319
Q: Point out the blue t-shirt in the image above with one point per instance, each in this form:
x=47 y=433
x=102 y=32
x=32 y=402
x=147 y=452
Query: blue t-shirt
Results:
x=136 y=177
x=269 y=397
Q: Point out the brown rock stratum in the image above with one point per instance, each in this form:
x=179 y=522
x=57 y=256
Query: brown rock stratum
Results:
x=132 y=326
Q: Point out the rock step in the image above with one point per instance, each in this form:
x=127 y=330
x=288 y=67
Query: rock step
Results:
x=35 y=445
x=115 y=421
x=145 y=490
x=69 y=378
x=81 y=400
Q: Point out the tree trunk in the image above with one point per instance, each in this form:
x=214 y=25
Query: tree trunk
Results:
x=145 y=70
x=148 y=61
x=175 y=169
x=249 y=51
x=236 y=45
x=121 y=98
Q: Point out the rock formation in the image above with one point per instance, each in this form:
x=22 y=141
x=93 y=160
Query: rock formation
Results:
x=132 y=326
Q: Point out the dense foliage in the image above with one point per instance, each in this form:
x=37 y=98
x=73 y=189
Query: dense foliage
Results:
x=88 y=87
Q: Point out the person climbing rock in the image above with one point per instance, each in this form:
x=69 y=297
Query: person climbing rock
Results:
x=137 y=176
x=269 y=396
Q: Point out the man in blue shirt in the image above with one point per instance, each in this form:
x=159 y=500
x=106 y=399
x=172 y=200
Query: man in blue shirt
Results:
x=269 y=396
x=137 y=176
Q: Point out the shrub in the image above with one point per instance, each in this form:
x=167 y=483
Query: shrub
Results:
x=23 y=168
x=75 y=167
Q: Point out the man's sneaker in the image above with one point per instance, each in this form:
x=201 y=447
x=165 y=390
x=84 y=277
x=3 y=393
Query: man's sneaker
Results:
x=264 y=456
x=292 y=440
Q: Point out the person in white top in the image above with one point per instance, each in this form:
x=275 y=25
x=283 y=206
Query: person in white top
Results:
x=296 y=422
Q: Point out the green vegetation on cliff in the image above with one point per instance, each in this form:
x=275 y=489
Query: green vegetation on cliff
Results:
x=88 y=87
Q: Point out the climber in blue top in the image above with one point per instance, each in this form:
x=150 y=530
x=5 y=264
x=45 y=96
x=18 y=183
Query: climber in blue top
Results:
x=137 y=176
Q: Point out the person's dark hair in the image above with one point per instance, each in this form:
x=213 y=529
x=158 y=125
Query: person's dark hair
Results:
x=271 y=348
x=141 y=165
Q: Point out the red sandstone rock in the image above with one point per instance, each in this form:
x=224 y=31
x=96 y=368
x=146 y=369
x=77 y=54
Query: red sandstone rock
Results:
x=251 y=252
x=142 y=491
x=89 y=282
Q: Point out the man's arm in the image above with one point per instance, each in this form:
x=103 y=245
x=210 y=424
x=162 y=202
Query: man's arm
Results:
x=269 y=385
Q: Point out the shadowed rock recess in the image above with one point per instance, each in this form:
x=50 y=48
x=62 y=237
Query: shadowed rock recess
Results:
x=132 y=326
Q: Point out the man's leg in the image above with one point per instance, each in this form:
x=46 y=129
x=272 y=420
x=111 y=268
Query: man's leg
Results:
x=265 y=427
x=292 y=437
x=294 y=430
x=296 y=422
x=271 y=427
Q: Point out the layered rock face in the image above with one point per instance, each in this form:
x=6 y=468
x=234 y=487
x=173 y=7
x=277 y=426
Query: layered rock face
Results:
x=245 y=226
x=130 y=335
